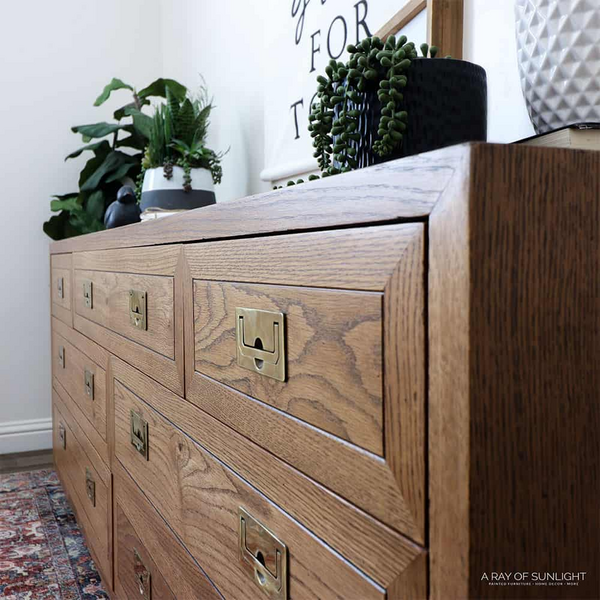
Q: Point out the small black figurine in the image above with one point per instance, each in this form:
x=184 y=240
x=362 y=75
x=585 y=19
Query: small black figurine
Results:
x=124 y=210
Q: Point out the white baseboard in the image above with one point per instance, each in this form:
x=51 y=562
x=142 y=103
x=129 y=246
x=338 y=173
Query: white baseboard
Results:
x=25 y=436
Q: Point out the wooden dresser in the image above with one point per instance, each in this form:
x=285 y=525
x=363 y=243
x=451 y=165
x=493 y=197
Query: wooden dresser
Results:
x=383 y=384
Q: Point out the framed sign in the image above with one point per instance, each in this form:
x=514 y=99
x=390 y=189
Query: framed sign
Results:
x=304 y=35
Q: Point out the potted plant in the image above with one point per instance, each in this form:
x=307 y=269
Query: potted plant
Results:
x=385 y=102
x=178 y=170
x=116 y=150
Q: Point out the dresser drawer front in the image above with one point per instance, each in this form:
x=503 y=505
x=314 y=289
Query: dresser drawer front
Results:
x=350 y=410
x=105 y=299
x=333 y=357
x=83 y=380
x=61 y=287
x=87 y=483
x=200 y=497
x=146 y=547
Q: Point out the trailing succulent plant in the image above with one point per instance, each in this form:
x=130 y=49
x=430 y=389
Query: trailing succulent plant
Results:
x=117 y=150
x=177 y=137
x=334 y=118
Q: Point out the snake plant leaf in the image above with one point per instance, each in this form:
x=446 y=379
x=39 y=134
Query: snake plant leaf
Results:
x=93 y=147
x=113 y=86
x=111 y=163
x=95 y=130
x=159 y=88
x=95 y=205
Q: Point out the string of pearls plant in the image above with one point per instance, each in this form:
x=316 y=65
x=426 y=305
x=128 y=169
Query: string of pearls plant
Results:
x=334 y=117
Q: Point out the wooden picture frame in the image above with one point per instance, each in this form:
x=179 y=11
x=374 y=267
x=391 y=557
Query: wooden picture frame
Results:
x=445 y=23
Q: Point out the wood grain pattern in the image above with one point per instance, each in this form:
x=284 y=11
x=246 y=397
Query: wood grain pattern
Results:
x=199 y=497
x=110 y=307
x=515 y=315
x=354 y=259
x=374 y=548
x=61 y=267
x=77 y=416
x=445 y=24
x=72 y=379
x=396 y=190
x=127 y=542
x=405 y=376
x=92 y=350
x=333 y=347
x=158 y=260
x=63 y=301
x=402 y=18
x=182 y=574
x=72 y=463
x=155 y=365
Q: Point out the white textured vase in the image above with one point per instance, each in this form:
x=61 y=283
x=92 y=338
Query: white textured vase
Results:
x=558 y=45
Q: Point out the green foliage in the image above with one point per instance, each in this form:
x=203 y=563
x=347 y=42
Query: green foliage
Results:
x=177 y=136
x=101 y=177
x=373 y=65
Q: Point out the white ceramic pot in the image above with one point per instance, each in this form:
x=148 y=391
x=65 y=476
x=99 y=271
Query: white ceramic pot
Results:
x=168 y=194
x=558 y=46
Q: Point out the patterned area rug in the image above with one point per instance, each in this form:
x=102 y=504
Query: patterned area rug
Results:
x=43 y=554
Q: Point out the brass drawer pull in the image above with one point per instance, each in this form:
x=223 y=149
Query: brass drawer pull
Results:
x=60 y=287
x=138 y=312
x=139 y=434
x=260 y=336
x=61 y=356
x=88 y=296
x=142 y=576
x=263 y=556
x=62 y=436
x=88 y=382
x=90 y=486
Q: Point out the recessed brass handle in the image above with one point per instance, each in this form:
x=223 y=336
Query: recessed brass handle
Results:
x=143 y=577
x=260 y=336
x=60 y=287
x=88 y=382
x=61 y=356
x=138 y=312
x=88 y=294
x=139 y=434
x=90 y=486
x=263 y=556
x=62 y=436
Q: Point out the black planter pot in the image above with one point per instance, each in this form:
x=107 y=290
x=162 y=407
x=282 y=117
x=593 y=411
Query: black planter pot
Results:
x=446 y=102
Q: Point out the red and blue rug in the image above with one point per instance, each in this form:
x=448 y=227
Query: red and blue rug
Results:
x=43 y=554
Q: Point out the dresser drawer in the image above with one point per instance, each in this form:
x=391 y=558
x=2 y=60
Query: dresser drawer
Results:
x=204 y=500
x=60 y=287
x=81 y=377
x=150 y=561
x=313 y=346
x=87 y=483
x=128 y=302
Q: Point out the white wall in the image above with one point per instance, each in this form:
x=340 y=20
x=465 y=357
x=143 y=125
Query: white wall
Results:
x=56 y=58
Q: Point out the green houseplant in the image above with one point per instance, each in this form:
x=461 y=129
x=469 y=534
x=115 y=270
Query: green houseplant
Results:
x=116 y=150
x=178 y=169
x=385 y=102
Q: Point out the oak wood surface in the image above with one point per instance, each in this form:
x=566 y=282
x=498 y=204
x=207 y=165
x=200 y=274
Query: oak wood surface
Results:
x=110 y=307
x=126 y=544
x=72 y=463
x=353 y=259
x=63 y=301
x=515 y=336
x=72 y=378
x=374 y=548
x=333 y=354
x=61 y=267
x=396 y=190
x=445 y=26
x=199 y=496
x=157 y=260
x=181 y=573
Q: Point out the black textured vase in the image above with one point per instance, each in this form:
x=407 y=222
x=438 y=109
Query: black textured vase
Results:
x=446 y=102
